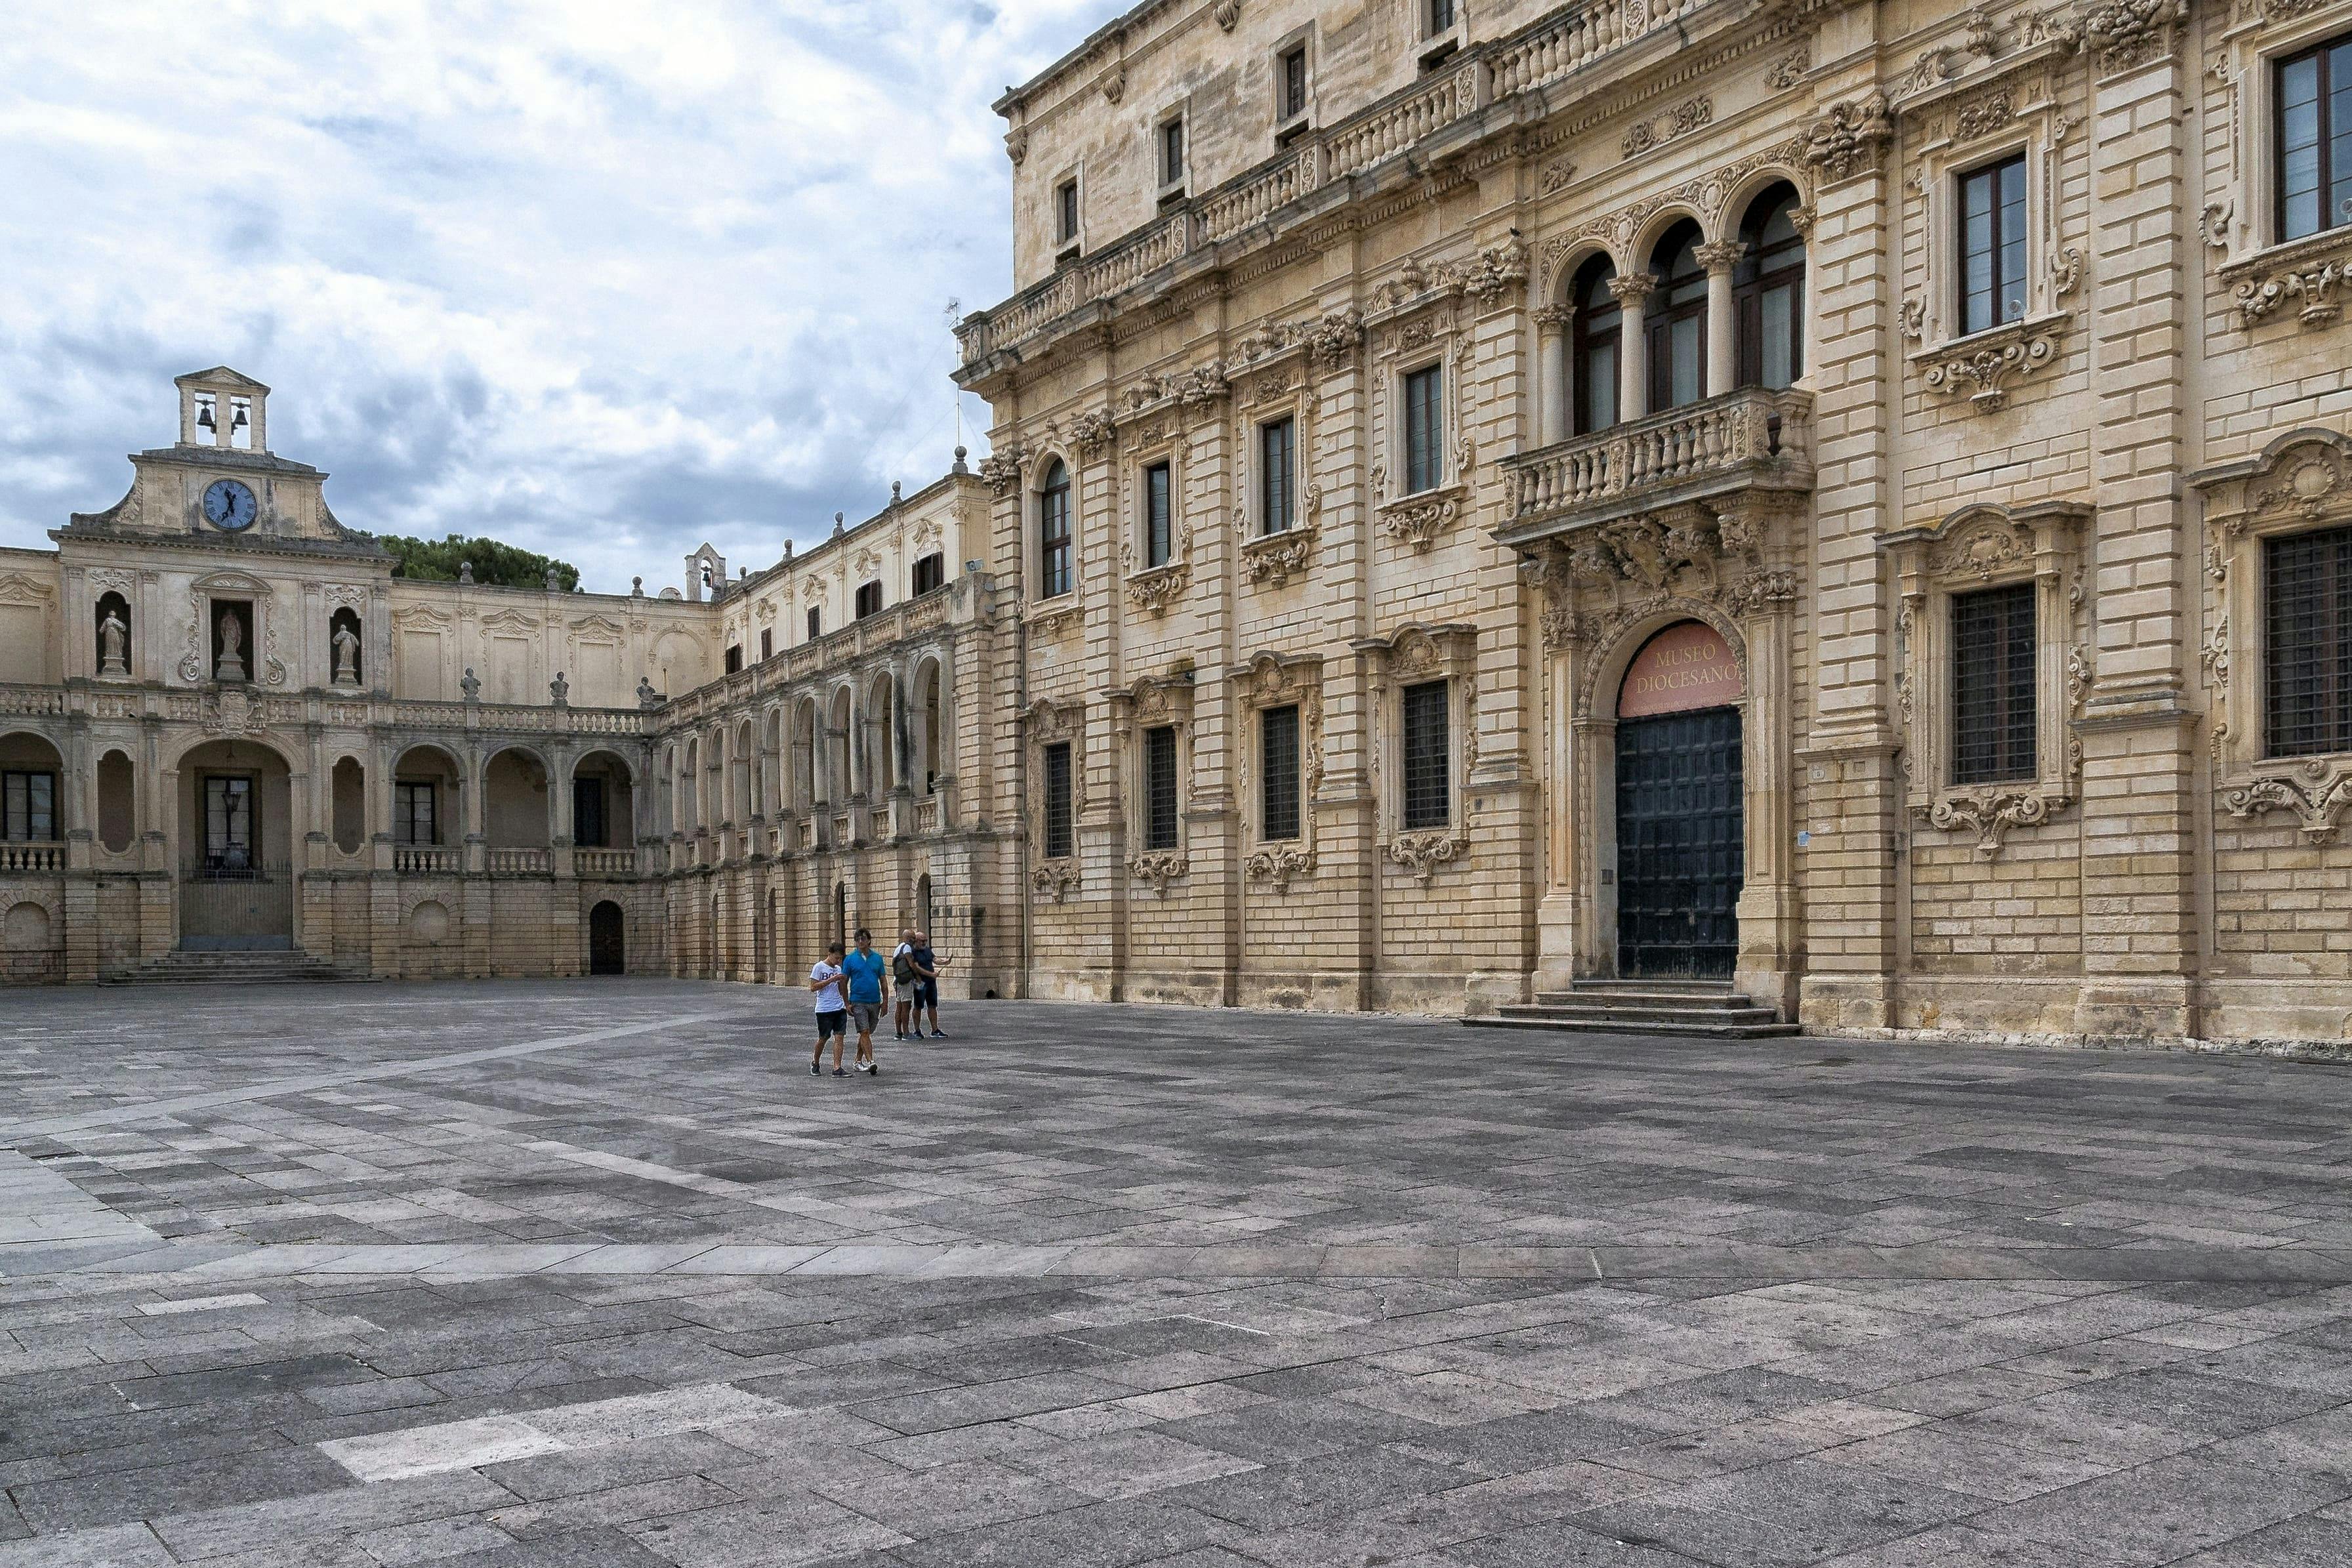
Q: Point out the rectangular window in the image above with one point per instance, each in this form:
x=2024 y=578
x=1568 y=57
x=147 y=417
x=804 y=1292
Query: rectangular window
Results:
x=1065 y=212
x=1058 y=828
x=869 y=599
x=930 y=571
x=734 y=659
x=228 y=823
x=2308 y=643
x=1291 y=90
x=1428 y=793
x=1992 y=245
x=28 y=807
x=815 y=623
x=1278 y=767
x=1992 y=685
x=1424 y=429
x=1160 y=788
x=767 y=643
x=2314 y=134
x=588 y=829
x=1277 y=453
x=412 y=814
x=1440 y=16
x=1159 y=522
x=1171 y=153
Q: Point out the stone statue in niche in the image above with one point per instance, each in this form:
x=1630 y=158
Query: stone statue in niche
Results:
x=232 y=649
x=559 y=691
x=113 y=645
x=347 y=656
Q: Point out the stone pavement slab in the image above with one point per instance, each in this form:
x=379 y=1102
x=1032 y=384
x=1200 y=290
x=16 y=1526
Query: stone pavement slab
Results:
x=500 y=1275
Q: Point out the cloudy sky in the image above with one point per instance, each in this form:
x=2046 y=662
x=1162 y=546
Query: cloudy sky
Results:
x=601 y=279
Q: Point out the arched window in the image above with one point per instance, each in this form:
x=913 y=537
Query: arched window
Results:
x=1676 y=320
x=1593 y=347
x=1768 y=290
x=1054 y=532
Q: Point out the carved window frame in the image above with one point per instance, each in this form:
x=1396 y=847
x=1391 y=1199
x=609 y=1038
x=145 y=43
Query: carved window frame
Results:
x=1135 y=542
x=1050 y=722
x=2301 y=483
x=1154 y=703
x=1954 y=131
x=1421 y=340
x=2270 y=278
x=1276 y=680
x=1275 y=558
x=1991 y=547
x=263 y=666
x=1417 y=653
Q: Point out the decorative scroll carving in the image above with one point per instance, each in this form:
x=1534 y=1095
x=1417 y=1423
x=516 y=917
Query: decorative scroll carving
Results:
x=1850 y=137
x=1054 y=619
x=1676 y=122
x=1272 y=559
x=1419 y=519
x=1984 y=368
x=1423 y=854
x=2128 y=34
x=1092 y=431
x=1280 y=864
x=1158 y=869
x=1789 y=68
x=1155 y=589
x=1001 y=471
x=1990 y=813
x=2309 y=287
x=1055 y=879
x=2317 y=792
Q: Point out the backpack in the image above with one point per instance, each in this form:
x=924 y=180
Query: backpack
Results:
x=902 y=968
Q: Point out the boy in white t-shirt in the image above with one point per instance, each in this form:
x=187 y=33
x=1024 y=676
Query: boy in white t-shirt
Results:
x=831 y=1008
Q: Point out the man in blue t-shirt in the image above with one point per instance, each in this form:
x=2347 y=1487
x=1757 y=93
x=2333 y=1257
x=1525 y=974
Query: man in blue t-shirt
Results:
x=868 y=973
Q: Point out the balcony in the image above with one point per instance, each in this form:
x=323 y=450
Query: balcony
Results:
x=604 y=865
x=506 y=862
x=20 y=855
x=1745 y=440
x=427 y=859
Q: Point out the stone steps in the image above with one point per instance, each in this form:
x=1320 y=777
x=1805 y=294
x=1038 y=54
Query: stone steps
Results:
x=1664 y=1007
x=279 y=967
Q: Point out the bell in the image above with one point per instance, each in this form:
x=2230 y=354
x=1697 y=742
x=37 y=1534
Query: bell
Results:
x=237 y=421
x=205 y=417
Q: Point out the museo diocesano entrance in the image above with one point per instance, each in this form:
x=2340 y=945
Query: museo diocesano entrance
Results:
x=1679 y=831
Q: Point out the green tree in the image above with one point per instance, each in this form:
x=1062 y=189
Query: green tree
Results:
x=496 y=563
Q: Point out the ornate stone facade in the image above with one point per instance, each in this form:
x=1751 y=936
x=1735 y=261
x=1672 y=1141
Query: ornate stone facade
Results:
x=2162 y=392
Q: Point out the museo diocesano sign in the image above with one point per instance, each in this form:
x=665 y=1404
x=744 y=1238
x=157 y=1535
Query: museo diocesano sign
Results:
x=1684 y=668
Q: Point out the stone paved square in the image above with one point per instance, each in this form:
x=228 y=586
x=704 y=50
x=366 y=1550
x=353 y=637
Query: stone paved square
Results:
x=531 y=1274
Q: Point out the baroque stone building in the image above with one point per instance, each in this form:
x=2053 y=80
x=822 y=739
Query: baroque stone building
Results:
x=1852 y=499
x=225 y=728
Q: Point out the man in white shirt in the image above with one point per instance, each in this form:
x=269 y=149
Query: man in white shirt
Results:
x=902 y=975
x=830 y=984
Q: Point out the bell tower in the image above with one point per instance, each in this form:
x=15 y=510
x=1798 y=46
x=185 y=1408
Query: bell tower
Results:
x=220 y=408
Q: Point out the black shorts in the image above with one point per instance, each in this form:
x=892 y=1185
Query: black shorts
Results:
x=927 y=993
x=833 y=1022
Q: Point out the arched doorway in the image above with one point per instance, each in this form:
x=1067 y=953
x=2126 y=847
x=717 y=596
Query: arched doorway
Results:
x=237 y=847
x=608 y=940
x=1680 y=831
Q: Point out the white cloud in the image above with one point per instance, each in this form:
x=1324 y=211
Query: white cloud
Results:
x=603 y=280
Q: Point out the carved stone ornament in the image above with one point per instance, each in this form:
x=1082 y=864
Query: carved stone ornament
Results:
x=1228 y=14
x=1983 y=366
x=1158 y=869
x=2128 y=34
x=1016 y=145
x=2309 y=287
x=1488 y=274
x=1274 y=559
x=1280 y=864
x=1156 y=589
x=1418 y=521
x=1850 y=137
x=1001 y=471
x=2317 y=792
x=1092 y=431
x=1991 y=811
x=1054 y=618
x=1333 y=341
x=1054 y=880
x=1423 y=854
x=1671 y=125
x=1557 y=177
x=1789 y=68
x=1981 y=548
x=2310 y=482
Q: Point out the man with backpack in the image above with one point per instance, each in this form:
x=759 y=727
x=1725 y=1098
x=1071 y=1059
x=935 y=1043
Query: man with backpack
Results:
x=902 y=974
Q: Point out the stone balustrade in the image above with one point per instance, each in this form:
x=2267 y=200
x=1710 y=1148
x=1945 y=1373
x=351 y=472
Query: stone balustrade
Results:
x=427 y=859
x=1703 y=447
x=21 y=855
x=503 y=861
x=603 y=864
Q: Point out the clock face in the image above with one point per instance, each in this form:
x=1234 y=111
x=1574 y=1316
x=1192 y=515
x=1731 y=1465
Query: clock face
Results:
x=229 y=505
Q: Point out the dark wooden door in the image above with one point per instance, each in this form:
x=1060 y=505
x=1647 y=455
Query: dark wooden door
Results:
x=608 y=951
x=1679 y=852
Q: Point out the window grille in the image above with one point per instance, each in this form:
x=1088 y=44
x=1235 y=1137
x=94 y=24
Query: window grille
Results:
x=1293 y=99
x=2308 y=643
x=1428 y=793
x=1279 y=744
x=1059 y=833
x=1992 y=685
x=1424 y=429
x=1158 y=532
x=1160 y=788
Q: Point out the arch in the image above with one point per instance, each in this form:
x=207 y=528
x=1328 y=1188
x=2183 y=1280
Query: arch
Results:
x=690 y=786
x=742 y=777
x=1674 y=318
x=923 y=904
x=1569 y=257
x=839 y=735
x=1768 y=288
x=806 y=753
x=428 y=796
x=1742 y=193
x=608 y=938
x=237 y=838
x=1654 y=227
x=927 y=723
x=879 y=761
x=176 y=753
x=26 y=926
x=604 y=801
x=772 y=761
x=1595 y=347
x=1616 y=651
x=118 y=800
x=518 y=798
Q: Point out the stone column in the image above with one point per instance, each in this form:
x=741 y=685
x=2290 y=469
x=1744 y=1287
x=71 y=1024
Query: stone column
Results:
x=1552 y=322
x=1632 y=291
x=1722 y=315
